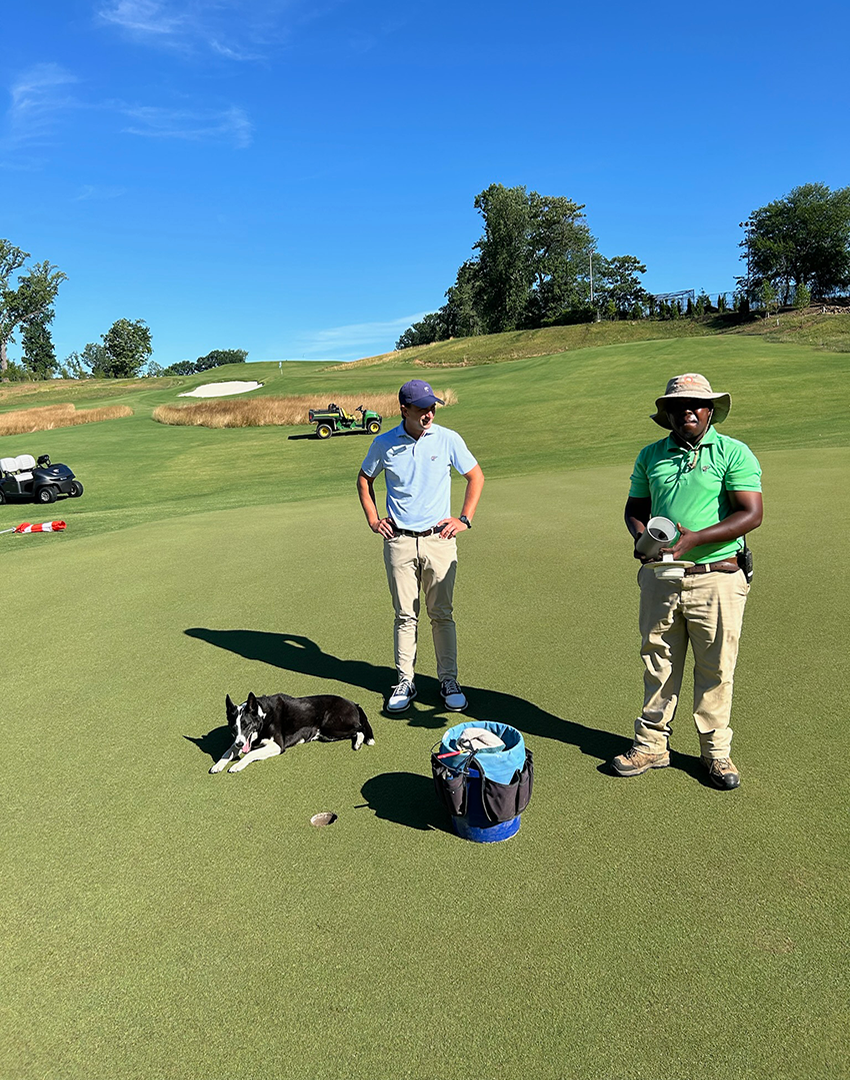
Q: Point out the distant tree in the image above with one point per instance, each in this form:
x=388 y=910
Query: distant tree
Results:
x=30 y=301
x=88 y=364
x=505 y=257
x=127 y=346
x=39 y=356
x=800 y=239
x=619 y=283
x=689 y=309
x=462 y=310
x=218 y=357
x=181 y=367
x=424 y=332
x=721 y=302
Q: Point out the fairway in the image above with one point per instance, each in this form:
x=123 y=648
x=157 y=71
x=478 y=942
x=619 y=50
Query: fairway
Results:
x=160 y=922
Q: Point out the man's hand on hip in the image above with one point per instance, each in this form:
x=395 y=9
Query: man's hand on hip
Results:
x=384 y=528
x=450 y=527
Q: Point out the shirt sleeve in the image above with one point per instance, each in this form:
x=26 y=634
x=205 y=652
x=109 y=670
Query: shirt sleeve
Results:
x=639 y=486
x=743 y=472
x=373 y=463
x=459 y=455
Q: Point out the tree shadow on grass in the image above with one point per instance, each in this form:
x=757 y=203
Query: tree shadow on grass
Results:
x=293 y=652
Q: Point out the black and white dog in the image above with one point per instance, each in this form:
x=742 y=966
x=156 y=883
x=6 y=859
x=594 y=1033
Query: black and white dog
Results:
x=263 y=727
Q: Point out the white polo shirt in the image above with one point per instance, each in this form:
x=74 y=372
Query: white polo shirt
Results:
x=418 y=473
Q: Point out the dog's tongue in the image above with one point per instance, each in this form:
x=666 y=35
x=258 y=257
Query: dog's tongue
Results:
x=246 y=748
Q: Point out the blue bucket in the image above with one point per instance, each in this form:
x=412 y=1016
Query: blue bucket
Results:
x=475 y=825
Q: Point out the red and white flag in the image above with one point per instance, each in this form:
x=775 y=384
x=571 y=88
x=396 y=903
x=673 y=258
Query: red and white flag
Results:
x=47 y=526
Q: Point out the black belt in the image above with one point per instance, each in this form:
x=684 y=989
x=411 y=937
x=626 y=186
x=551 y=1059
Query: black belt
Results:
x=407 y=532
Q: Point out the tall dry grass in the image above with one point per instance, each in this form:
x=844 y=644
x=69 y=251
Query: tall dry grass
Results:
x=48 y=417
x=276 y=411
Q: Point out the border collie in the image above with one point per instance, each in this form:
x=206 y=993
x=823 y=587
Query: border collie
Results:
x=263 y=727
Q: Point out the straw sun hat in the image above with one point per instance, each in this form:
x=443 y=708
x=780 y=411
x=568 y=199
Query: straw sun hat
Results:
x=691 y=386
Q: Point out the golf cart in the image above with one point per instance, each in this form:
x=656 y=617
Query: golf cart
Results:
x=24 y=478
x=336 y=421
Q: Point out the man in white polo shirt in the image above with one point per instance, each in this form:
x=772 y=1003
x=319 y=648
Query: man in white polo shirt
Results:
x=420 y=546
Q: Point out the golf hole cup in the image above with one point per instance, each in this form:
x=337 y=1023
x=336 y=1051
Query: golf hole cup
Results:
x=660 y=532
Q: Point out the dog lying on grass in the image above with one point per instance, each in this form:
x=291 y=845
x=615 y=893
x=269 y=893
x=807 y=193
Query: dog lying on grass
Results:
x=263 y=727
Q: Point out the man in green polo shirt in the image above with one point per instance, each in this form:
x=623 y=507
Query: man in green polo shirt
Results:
x=709 y=485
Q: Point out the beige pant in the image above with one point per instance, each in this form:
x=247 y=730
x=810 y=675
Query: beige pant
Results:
x=706 y=610
x=427 y=564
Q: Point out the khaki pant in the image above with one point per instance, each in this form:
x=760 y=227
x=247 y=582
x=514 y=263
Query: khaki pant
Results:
x=427 y=564
x=706 y=610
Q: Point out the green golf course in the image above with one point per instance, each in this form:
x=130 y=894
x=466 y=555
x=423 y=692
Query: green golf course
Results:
x=162 y=923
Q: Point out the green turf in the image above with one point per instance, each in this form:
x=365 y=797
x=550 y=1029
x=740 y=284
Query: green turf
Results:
x=162 y=922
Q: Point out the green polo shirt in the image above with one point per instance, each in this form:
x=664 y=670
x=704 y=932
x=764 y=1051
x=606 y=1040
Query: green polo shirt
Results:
x=692 y=486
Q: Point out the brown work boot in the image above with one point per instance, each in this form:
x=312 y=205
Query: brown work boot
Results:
x=722 y=772
x=636 y=761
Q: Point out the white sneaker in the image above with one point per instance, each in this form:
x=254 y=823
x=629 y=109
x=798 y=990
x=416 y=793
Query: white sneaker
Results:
x=401 y=696
x=453 y=697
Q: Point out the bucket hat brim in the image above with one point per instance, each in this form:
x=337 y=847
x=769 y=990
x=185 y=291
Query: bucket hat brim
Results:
x=695 y=387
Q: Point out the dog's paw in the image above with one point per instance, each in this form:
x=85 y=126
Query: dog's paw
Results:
x=219 y=765
x=370 y=742
x=237 y=766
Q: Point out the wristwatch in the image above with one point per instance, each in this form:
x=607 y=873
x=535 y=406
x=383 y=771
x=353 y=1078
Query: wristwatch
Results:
x=465 y=520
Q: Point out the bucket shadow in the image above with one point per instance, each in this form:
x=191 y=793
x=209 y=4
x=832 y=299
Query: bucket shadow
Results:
x=406 y=799
x=294 y=652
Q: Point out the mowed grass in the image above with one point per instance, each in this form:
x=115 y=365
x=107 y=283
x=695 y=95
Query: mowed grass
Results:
x=163 y=922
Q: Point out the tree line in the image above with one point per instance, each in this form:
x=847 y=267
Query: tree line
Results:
x=536 y=264
x=27 y=309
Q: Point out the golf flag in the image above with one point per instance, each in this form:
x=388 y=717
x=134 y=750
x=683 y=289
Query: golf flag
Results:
x=47 y=526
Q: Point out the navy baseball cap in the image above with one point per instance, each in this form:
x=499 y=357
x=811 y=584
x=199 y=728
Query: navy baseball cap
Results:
x=419 y=394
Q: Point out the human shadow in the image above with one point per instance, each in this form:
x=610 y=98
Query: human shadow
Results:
x=406 y=799
x=294 y=652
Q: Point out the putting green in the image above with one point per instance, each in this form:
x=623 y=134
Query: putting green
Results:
x=162 y=922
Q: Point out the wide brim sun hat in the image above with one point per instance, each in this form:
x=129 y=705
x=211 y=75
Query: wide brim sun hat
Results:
x=691 y=386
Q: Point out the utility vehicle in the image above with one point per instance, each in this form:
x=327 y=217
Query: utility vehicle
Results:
x=336 y=421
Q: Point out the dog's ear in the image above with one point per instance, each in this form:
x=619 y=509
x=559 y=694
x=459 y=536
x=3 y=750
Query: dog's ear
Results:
x=251 y=702
x=230 y=708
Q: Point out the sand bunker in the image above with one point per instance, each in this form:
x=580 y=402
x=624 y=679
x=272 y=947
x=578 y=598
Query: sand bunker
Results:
x=221 y=389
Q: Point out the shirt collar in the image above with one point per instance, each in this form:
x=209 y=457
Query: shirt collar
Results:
x=707 y=440
x=402 y=432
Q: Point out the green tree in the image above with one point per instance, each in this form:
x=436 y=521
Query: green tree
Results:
x=31 y=300
x=619 y=284
x=505 y=257
x=127 y=347
x=800 y=239
x=39 y=355
x=218 y=357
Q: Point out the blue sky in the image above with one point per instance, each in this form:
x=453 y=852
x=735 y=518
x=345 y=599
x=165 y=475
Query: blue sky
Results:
x=297 y=179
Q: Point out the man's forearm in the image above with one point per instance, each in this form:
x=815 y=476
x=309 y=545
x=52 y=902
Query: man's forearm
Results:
x=474 y=487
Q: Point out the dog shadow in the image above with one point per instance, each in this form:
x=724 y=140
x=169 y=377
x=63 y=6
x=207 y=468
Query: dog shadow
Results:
x=294 y=652
x=406 y=799
x=214 y=743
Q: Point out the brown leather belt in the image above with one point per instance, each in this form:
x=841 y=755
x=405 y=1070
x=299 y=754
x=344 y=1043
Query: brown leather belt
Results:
x=728 y=566
x=407 y=532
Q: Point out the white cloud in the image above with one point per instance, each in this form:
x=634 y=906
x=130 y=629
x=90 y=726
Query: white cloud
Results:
x=38 y=96
x=229 y=28
x=154 y=122
x=343 y=339
x=144 y=17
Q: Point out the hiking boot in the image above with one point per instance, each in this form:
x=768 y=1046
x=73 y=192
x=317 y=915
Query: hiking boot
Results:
x=401 y=696
x=722 y=772
x=636 y=761
x=453 y=697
